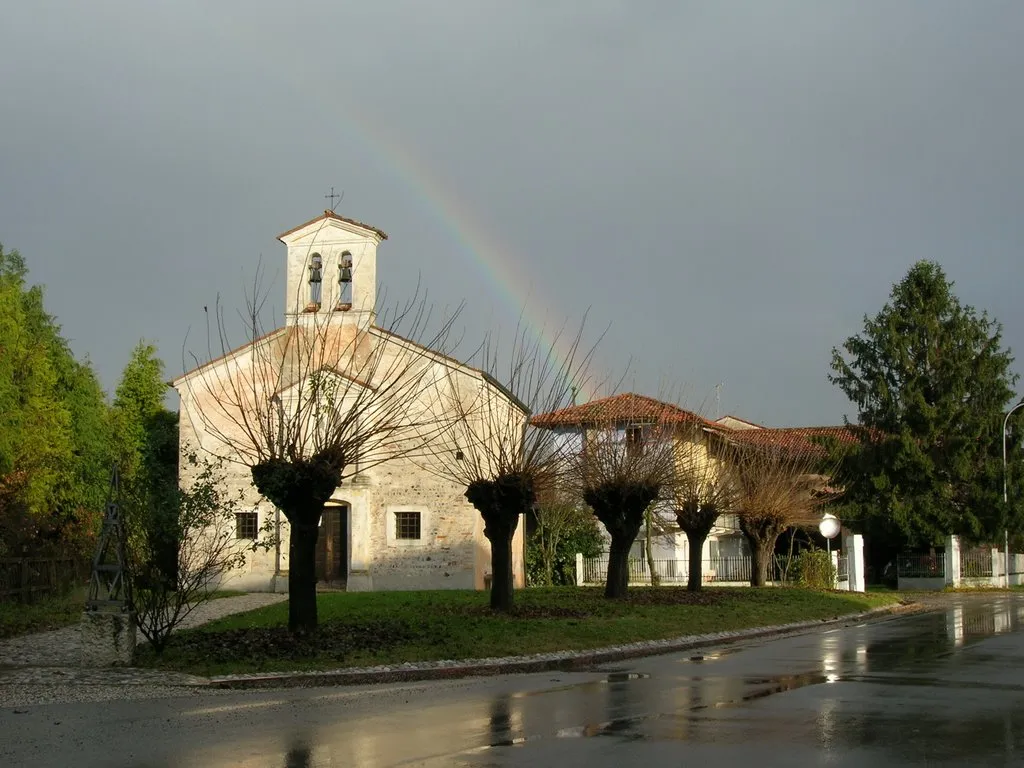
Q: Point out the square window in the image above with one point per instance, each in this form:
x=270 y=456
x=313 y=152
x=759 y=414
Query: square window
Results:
x=246 y=525
x=407 y=525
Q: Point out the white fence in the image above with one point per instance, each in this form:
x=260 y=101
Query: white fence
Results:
x=960 y=565
x=717 y=570
x=849 y=565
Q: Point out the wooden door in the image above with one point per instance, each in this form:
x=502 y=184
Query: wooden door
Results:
x=332 y=546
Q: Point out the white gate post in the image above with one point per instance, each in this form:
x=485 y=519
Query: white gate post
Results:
x=952 y=561
x=1000 y=571
x=853 y=548
x=579 y=569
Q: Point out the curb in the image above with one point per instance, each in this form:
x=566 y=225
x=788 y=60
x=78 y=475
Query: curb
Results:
x=562 y=661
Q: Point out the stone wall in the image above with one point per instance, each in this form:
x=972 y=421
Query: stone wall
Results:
x=446 y=555
x=107 y=638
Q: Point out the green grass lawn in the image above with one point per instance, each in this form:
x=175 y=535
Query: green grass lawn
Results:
x=392 y=627
x=51 y=613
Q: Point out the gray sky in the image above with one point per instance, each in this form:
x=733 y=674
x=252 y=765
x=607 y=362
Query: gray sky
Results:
x=731 y=185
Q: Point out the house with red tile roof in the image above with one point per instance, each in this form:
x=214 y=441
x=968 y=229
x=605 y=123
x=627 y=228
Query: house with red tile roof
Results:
x=630 y=411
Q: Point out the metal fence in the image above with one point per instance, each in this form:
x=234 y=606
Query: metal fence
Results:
x=717 y=569
x=975 y=563
x=28 y=580
x=911 y=566
x=842 y=569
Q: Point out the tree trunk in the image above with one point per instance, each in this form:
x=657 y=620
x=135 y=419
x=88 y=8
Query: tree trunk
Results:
x=695 y=541
x=760 y=557
x=500 y=502
x=551 y=554
x=302 y=617
x=502 y=580
x=655 y=580
x=617 y=582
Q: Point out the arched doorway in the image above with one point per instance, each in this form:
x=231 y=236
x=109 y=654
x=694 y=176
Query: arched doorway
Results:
x=332 y=546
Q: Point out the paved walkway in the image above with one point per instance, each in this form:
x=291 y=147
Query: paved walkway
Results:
x=48 y=662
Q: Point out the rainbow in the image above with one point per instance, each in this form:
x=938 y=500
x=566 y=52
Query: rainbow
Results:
x=490 y=257
x=482 y=250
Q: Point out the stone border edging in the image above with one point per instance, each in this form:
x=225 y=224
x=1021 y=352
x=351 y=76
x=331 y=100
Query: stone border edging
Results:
x=542 y=662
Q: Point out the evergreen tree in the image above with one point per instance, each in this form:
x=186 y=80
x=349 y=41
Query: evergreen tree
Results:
x=931 y=382
x=81 y=487
x=146 y=435
x=52 y=414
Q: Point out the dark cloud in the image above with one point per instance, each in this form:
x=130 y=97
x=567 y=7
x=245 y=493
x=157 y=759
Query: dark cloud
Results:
x=732 y=187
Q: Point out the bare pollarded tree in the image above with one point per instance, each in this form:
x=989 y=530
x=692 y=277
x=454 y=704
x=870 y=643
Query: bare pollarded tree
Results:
x=626 y=465
x=705 y=487
x=312 y=403
x=490 y=446
x=778 y=487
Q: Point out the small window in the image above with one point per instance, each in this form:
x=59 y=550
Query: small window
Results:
x=315 y=279
x=407 y=525
x=634 y=439
x=246 y=525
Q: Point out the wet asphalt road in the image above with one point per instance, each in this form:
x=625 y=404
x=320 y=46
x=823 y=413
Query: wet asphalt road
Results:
x=942 y=688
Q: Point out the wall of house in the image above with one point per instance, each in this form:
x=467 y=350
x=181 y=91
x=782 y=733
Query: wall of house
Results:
x=452 y=553
x=257 y=573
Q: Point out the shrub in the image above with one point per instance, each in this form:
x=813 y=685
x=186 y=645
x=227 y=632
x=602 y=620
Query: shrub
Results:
x=577 y=533
x=813 y=569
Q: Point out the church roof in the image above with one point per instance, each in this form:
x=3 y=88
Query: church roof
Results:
x=230 y=353
x=332 y=215
x=382 y=332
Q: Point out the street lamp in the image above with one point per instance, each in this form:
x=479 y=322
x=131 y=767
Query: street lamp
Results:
x=829 y=528
x=1006 y=531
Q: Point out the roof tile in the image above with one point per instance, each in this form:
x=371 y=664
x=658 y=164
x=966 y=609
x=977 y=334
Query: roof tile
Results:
x=627 y=407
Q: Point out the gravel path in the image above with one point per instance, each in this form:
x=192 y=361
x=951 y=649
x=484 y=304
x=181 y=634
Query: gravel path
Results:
x=44 y=667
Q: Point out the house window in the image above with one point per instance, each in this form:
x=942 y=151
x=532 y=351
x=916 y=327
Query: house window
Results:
x=246 y=525
x=407 y=525
x=634 y=439
x=315 y=279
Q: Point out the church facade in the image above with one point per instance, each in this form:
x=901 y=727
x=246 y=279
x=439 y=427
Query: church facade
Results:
x=394 y=525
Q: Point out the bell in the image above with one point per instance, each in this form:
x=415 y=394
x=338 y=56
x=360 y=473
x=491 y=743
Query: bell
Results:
x=346 y=274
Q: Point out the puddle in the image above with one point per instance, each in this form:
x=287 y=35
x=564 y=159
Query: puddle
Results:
x=700 y=658
x=621 y=677
x=624 y=727
x=910 y=654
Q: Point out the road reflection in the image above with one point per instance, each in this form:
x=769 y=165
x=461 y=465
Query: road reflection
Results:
x=905 y=688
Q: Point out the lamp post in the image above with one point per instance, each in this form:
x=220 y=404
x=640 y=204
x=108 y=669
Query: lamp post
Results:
x=829 y=528
x=1006 y=531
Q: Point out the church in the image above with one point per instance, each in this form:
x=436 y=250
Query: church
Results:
x=395 y=525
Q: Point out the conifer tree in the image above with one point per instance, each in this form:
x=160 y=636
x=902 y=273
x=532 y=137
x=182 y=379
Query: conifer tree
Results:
x=931 y=382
